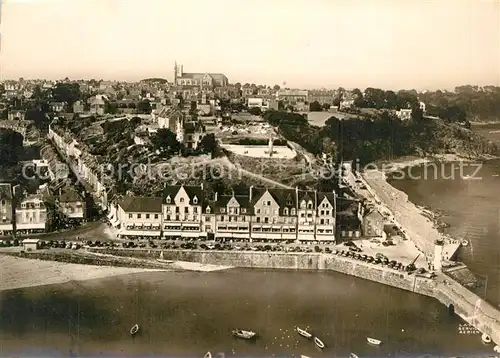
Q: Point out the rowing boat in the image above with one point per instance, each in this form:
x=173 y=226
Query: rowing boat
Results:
x=373 y=341
x=134 y=329
x=304 y=333
x=319 y=343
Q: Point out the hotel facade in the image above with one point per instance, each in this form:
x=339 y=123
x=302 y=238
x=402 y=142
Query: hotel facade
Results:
x=268 y=215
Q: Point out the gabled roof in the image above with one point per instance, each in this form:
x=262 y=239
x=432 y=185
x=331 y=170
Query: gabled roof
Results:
x=285 y=198
x=329 y=196
x=223 y=201
x=191 y=190
x=140 y=204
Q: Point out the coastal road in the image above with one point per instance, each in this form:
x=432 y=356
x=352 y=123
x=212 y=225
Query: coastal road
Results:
x=91 y=231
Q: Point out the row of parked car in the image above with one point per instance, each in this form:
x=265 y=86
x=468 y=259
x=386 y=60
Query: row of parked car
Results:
x=379 y=259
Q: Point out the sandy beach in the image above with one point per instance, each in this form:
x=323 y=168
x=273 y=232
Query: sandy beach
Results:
x=19 y=273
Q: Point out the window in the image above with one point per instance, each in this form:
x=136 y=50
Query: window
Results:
x=258 y=211
x=243 y=211
x=195 y=210
x=168 y=218
x=322 y=212
x=303 y=205
x=3 y=202
x=195 y=217
x=266 y=220
x=221 y=218
x=266 y=211
x=168 y=200
x=285 y=211
x=186 y=210
x=130 y=216
x=156 y=216
x=222 y=210
x=268 y=203
x=23 y=205
x=292 y=212
x=258 y=219
x=208 y=210
x=139 y=216
x=181 y=200
x=177 y=210
x=322 y=221
x=176 y=217
x=195 y=200
x=310 y=205
x=147 y=216
x=327 y=212
x=207 y=218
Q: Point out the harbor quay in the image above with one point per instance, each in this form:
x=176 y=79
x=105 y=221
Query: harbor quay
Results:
x=458 y=299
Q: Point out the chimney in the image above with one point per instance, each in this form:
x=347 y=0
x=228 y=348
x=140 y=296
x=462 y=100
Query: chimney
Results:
x=250 y=193
x=59 y=191
x=215 y=196
x=201 y=185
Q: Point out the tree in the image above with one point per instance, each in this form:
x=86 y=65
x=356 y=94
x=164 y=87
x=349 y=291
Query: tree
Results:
x=276 y=87
x=256 y=111
x=11 y=145
x=166 y=142
x=66 y=92
x=208 y=143
x=144 y=107
x=315 y=107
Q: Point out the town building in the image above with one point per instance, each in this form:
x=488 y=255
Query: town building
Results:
x=78 y=107
x=404 y=114
x=98 y=104
x=6 y=209
x=233 y=216
x=71 y=204
x=16 y=115
x=139 y=217
x=31 y=214
x=58 y=107
x=202 y=80
x=293 y=97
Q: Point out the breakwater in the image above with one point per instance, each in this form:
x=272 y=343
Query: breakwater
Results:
x=465 y=303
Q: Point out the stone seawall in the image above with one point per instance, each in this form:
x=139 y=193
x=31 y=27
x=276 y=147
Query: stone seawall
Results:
x=292 y=261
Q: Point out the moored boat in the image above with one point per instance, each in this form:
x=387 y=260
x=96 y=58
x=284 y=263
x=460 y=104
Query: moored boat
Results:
x=304 y=333
x=240 y=333
x=465 y=242
x=207 y=355
x=319 y=343
x=352 y=355
x=165 y=261
x=134 y=329
x=373 y=341
x=485 y=338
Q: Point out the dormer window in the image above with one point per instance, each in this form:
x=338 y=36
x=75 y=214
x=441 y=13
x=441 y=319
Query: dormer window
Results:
x=243 y=211
x=23 y=205
x=168 y=200
x=195 y=200
x=182 y=200
x=208 y=210
x=222 y=210
x=293 y=211
x=310 y=205
x=285 y=211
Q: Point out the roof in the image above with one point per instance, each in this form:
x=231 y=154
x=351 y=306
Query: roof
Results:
x=285 y=198
x=216 y=76
x=191 y=190
x=139 y=204
x=69 y=195
x=329 y=196
x=31 y=241
x=242 y=200
x=168 y=112
x=292 y=92
x=5 y=191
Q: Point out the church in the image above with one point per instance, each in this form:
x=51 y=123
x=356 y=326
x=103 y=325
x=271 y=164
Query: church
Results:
x=202 y=80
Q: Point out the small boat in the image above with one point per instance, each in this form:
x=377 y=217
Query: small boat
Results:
x=207 y=355
x=352 y=355
x=244 y=334
x=465 y=242
x=485 y=338
x=319 y=343
x=495 y=175
x=373 y=341
x=165 y=261
x=496 y=349
x=303 y=356
x=304 y=333
x=134 y=329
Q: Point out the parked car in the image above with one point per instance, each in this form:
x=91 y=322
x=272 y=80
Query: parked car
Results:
x=349 y=243
x=354 y=249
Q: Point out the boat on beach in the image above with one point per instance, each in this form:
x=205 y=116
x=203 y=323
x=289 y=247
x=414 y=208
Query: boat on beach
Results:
x=319 y=343
x=165 y=261
x=373 y=341
x=134 y=329
x=485 y=338
x=304 y=333
x=240 y=333
x=207 y=355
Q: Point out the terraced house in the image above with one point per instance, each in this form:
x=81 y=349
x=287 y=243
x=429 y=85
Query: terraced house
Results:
x=6 y=208
x=268 y=215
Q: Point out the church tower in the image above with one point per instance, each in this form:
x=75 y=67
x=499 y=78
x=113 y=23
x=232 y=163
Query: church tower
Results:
x=177 y=73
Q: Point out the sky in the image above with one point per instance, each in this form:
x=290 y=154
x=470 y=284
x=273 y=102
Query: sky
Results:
x=390 y=44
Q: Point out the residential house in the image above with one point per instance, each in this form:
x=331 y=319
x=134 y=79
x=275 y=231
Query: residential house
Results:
x=326 y=217
x=6 y=209
x=78 y=107
x=274 y=214
x=322 y=97
x=373 y=223
x=57 y=170
x=16 y=115
x=71 y=204
x=307 y=208
x=58 y=107
x=182 y=211
x=422 y=107
x=346 y=104
x=140 y=217
x=172 y=119
x=404 y=114
x=31 y=214
x=293 y=97
x=202 y=80
x=98 y=104
x=233 y=215
x=191 y=134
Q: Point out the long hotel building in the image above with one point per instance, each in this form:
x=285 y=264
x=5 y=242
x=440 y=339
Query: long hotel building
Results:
x=261 y=214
